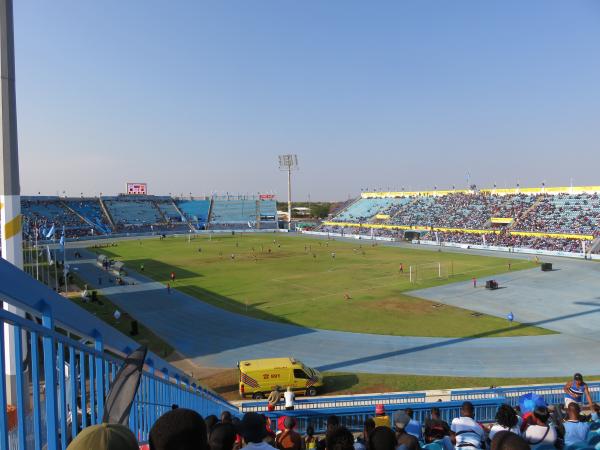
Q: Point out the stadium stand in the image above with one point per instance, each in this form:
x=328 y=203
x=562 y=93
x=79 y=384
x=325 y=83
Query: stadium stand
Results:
x=95 y=217
x=89 y=209
x=195 y=211
x=43 y=212
x=236 y=213
x=553 y=219
x=133 y=212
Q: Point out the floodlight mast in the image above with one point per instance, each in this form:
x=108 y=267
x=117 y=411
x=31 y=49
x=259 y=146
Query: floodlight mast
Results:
x=288 y=163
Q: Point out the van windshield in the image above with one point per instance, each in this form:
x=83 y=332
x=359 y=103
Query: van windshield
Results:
x=308 y=370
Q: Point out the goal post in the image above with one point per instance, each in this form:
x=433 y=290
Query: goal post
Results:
x=419 y=273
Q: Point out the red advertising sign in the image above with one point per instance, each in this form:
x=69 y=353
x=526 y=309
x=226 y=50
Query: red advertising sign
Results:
x=266 y=196
x=136 y=189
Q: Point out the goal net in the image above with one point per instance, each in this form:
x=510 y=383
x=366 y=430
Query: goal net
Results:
x=420 y=273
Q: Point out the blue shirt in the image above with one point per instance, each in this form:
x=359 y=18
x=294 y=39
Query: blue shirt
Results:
x=414 y=427
x=576 y=432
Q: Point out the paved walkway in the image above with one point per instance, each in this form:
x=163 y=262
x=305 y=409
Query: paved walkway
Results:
x=566 y=300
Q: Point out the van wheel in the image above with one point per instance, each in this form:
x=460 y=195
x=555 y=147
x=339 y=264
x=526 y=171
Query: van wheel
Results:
x=258 y=396
x=311 y=391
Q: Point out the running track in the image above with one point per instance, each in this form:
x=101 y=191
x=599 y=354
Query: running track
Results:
x=566 y=300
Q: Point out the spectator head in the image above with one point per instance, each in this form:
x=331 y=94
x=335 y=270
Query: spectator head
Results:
x=409 y=412
x=105 y=436
x=253 y=427
x=310 y=430
x=505 y=440
x=340 y=439
x=506 y=416
x=541 y=415
x=578 y=378
x=222 y=437
x=332 y=422
x=179 y=428
x=435 y=412
x=225 y=417
x=401 y=420
x=573 y=411
x=368 y=427
x=210 y=422
x=467 y=410
x=382 y=438
x=289 y=423
x=379 y=409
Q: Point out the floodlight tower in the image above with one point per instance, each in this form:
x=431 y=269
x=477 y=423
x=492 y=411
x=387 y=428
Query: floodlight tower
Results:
x=288 y=163
x=10 y=191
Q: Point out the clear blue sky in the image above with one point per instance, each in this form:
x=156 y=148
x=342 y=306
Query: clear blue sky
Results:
x=201 y=96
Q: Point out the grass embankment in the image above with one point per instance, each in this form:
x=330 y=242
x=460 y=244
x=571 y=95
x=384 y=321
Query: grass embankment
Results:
x=323 y=284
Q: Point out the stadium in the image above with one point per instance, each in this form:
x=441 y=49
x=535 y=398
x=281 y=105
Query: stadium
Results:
x=394 y=319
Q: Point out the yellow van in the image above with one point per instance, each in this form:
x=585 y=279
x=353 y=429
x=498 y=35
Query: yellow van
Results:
x=258 y=377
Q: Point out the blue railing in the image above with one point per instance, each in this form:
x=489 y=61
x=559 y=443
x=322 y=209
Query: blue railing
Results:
x=342 y=401
x=553 y=394
x=65 y=361
x=354 y=417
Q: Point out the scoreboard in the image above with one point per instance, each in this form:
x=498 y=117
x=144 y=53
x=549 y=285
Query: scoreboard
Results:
x=137 y=189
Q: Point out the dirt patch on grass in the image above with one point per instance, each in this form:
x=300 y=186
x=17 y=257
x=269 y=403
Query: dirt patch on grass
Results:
x=402 y=303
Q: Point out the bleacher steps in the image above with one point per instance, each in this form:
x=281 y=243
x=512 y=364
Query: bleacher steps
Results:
x=526 y=212
x=209 y=215
x=106 y=213
x=160 y=213
x=190 y=224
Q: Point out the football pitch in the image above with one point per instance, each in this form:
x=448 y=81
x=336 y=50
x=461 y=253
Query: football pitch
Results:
x=318 y=283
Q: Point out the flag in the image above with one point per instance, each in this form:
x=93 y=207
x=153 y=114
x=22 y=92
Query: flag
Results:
x=50 y=232
x=62 y=239
x=122 y=392
x=49 y=255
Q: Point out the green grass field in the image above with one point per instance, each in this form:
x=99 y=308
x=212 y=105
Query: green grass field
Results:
x=297 y=280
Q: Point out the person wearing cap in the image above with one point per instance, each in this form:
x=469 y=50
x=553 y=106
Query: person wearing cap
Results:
x=467 y=432
x=381 y=419
x=288 y=439
x=575 y=389
x=402 y=437
x=105 y=436
x=253 y=428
